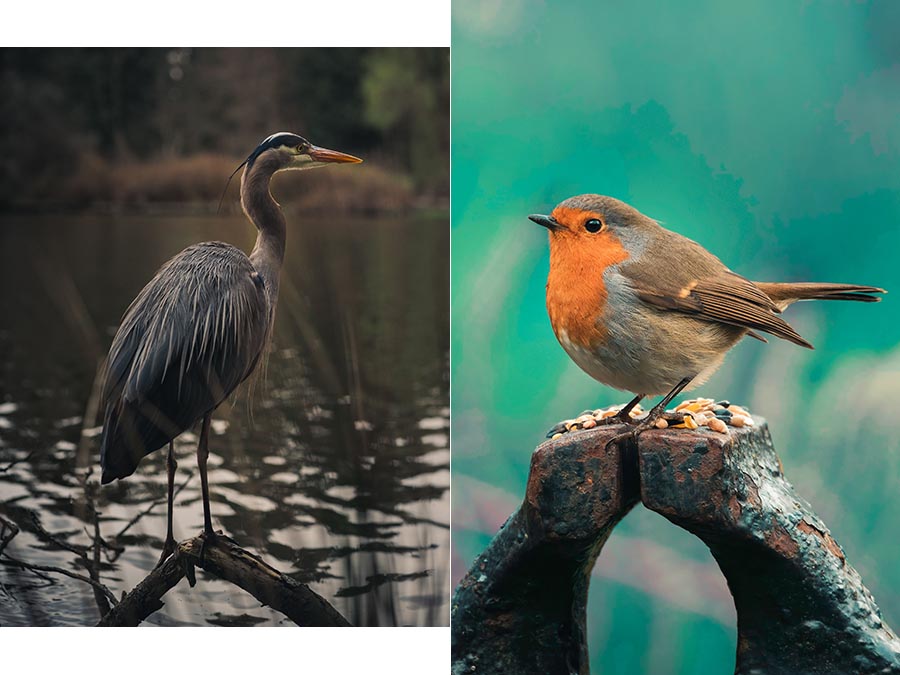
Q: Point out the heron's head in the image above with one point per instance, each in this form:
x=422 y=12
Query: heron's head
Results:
x=289 y=151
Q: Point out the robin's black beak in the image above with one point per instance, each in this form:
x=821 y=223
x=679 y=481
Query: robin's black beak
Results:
x=547 y=221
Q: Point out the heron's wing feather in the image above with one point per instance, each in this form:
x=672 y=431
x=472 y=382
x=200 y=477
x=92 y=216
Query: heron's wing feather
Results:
x=192 y=335
x=725 y=298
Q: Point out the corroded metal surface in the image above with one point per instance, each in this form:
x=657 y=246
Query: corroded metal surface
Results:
x=522 y=606
x=801 y=607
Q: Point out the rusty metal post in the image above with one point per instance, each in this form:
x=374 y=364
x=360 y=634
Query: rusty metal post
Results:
x=802 y=609
x=522 y=606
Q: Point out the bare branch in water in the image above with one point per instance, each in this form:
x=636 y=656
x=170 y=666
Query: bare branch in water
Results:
x=225 y=559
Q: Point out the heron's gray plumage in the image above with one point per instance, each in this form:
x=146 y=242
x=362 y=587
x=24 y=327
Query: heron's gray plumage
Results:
x=192 y=335
x=199 y=328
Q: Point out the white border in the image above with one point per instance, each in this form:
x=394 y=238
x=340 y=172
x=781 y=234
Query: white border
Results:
x=251 y=23
x=326 y=23
x=155 y=651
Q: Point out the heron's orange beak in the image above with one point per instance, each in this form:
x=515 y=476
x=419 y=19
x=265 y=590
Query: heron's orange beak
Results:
x=332 y=156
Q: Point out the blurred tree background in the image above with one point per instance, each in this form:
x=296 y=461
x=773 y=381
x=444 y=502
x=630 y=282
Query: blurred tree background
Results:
x=767 y=131
x=139 y=125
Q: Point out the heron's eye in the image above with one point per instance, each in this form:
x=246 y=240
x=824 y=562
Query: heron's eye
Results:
x=300 y=149
x=593 y=225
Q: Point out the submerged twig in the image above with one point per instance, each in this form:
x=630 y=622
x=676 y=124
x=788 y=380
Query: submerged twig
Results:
x=17 y=461
x=8 y=530
x=37 y=569
x=93 y=563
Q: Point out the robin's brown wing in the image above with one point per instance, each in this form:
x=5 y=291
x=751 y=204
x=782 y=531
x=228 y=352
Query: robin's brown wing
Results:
x=725 y=298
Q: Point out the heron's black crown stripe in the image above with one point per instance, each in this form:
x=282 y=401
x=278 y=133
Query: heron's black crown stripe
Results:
x=275 y=141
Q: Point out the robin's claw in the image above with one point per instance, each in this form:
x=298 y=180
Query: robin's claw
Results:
x=589 y=419
x=638 y=427
x=630 y=435
x=582 y=422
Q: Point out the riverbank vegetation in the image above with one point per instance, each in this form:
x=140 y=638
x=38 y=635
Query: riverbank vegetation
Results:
x=133 y=129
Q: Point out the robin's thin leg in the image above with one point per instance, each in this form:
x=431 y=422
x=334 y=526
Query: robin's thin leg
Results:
x=202 y=456
x=624 y=415
x=659 y=410
x=621 y=417
x=169 y=545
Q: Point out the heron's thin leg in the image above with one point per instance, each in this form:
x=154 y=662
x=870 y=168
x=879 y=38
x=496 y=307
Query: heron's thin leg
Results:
x=202 y=455
x=171 y=465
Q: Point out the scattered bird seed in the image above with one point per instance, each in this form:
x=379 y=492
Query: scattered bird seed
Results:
x=698 y=412
x=688 y=423
x=742 y=421
x=717 y=425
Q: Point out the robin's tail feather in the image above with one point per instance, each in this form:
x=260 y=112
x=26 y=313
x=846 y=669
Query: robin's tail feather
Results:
x=787 y=293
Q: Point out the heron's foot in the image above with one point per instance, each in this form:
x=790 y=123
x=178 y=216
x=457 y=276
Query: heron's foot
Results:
x=591 y=419
x=208 y=536
x=168 y=549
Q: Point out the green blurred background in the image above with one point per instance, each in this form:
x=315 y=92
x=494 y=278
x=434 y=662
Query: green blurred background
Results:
x=770 y=133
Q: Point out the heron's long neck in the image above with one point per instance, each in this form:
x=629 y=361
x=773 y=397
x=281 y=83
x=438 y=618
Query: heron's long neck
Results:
x=262 y=209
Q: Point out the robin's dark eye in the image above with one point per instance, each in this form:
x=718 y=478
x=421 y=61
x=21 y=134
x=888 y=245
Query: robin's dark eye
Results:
x=593 y=225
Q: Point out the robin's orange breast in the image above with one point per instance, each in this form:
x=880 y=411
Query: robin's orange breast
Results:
x=576 y=293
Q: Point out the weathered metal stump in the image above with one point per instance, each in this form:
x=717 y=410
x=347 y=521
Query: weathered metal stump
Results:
x=801 y=607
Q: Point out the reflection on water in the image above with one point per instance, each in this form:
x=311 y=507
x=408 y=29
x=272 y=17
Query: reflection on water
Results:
x=333 y=466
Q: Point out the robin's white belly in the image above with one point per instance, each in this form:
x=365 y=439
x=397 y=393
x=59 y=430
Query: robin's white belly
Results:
x=635 y=372
x=648 y=351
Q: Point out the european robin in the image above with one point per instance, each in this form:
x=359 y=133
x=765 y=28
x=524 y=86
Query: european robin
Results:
x=646 y=310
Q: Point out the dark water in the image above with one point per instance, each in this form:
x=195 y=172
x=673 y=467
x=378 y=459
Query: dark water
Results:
x=334 y=466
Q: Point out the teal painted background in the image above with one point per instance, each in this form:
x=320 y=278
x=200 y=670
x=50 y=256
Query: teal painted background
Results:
x=770 y=133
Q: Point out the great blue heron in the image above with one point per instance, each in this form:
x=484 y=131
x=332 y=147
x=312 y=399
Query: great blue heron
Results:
x=199 y=328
